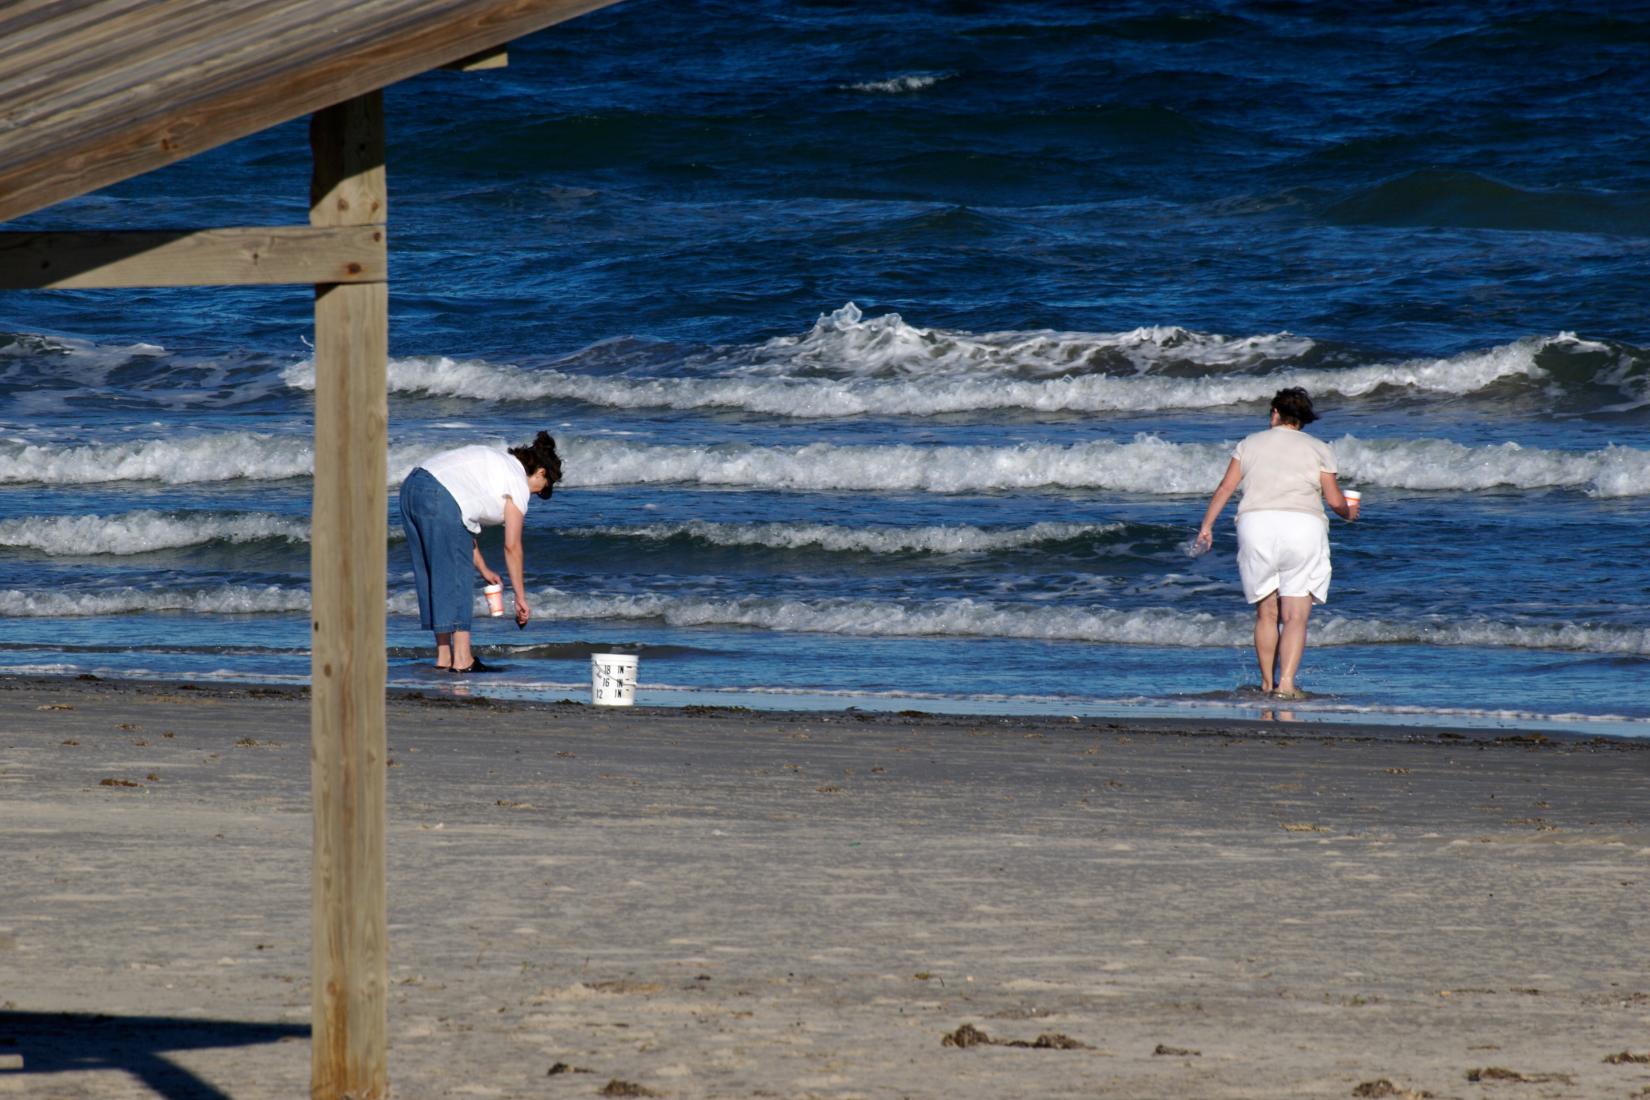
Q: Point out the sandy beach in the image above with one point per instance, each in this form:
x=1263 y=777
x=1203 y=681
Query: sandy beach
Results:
x=715 y=903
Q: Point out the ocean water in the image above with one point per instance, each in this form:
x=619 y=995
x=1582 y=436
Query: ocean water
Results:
x=894 y=353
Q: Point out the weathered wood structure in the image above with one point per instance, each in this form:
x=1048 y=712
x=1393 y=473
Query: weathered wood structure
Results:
x=96 y=91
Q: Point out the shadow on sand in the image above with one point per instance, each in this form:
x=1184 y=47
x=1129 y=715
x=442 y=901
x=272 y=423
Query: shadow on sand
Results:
x=65 y=1042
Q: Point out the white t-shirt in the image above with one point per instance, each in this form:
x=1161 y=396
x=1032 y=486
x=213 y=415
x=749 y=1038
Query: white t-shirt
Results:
x=479 y=479
x=1281 y=471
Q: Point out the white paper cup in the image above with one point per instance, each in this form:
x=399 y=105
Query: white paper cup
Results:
x=1352 y=495
x=495 y=599
x=613 y=679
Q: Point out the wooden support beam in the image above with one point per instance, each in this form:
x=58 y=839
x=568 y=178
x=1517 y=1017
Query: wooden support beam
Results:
x=496 y=58
x=193 y=257
x=349 y=966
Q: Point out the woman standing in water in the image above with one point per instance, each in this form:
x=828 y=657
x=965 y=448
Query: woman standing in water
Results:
x=1283 y=536
x=445 y=503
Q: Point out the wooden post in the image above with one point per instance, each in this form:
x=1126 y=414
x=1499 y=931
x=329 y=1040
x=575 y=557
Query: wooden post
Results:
x=349 y=968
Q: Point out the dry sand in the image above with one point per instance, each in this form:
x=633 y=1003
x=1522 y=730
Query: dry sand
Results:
x=724 y=904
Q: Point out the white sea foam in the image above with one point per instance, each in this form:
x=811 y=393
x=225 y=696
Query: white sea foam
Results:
x=81 y=351
x=910 y=82
x=200 y=458
x=980 y=618
x=224 y=456
x=850 y=366
x=1443 y=465
x=950 y=539
x=1141 y=464
x=1144 y=464
x=845 y=342
x=142 y=532
x=879 y=618
x=220 y=600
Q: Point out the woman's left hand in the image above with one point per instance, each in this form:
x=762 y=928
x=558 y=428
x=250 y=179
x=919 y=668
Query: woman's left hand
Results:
x=522 y=613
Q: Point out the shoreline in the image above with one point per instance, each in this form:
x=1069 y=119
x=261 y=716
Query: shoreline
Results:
x=708 y=902
x=1196 y=715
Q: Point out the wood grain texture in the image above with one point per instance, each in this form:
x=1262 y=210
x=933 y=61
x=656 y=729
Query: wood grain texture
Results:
x=349 y=533
x=96 y=91
x=205 y=257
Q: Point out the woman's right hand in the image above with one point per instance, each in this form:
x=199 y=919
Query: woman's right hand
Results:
x=522 y=612
x=1205 y=539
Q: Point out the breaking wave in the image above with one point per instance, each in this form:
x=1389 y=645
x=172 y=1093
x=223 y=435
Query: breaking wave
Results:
x=1145 y=626
x=200 y=459
x=1144 y=464
x=220 y=600
x=1141 y=464
x=910 y=82
x=875 y=618
x=849 y=366
x=142 y=532
x=951 y=539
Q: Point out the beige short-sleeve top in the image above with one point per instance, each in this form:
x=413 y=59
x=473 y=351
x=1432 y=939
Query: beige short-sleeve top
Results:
x=1281 y=471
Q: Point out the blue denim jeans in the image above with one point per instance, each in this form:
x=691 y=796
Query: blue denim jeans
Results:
x=442 y=553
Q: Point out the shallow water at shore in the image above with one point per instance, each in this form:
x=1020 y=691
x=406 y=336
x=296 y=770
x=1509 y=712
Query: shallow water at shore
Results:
x=906 y=378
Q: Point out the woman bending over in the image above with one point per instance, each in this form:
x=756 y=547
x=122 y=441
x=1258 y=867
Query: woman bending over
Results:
x=445 y=503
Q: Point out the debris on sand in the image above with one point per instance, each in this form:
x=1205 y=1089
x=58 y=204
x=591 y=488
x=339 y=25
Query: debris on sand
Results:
x=966 y=1036
x=1177 y=1052
x=118 y=783
x=616 y=1087
x=562 y=1067
x=1050 y=1040
x=1502 y=1073
x=1626 y=1057
x=625 y=986
x=1382 y=1087
x=970 y=1036
x=1304 y=827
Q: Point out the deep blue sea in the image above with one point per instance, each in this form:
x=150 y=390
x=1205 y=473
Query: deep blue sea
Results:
x=894 y=351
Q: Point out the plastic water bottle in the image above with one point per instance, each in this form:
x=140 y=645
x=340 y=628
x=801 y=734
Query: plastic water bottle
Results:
x=1191 y=548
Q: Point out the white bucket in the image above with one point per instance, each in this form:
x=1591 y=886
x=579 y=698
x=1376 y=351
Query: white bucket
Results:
x=613 y=679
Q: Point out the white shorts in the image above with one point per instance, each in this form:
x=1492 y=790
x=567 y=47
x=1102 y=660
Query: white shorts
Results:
x=1283 y=552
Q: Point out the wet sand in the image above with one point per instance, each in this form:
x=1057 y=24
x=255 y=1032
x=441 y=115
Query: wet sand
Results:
x=713 y=903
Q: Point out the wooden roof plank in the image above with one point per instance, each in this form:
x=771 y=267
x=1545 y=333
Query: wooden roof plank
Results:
x=201 y=74
x=127 y=46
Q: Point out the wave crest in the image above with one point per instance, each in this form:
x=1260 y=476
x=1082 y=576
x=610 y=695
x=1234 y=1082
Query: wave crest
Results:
x=1144 y=626
x=951 y=539
x=847 y=365
x=221 y=600
x=142 y=532
x=910 y=82
x=1143 y=464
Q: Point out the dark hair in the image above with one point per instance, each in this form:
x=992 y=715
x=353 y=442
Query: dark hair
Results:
x=1294 y=405
x=541 y=452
